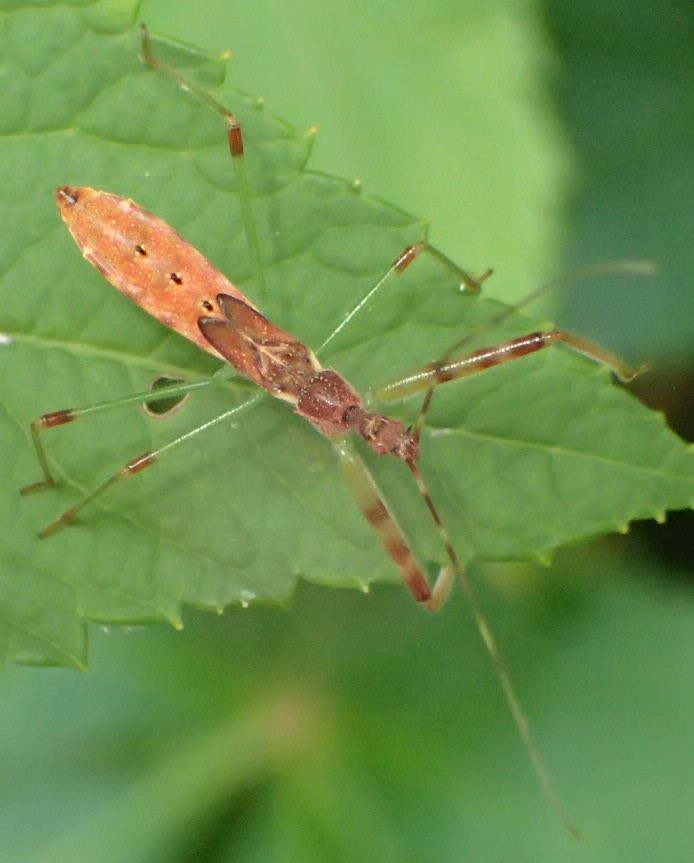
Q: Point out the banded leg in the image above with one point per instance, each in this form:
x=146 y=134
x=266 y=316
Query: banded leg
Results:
x=468 y=283
x=68 y=415
x=236 y=148
x=136 y=465
x=596 y=352
x=609 y=268
x=363 y=486
x=390 y=535
x=443 y=371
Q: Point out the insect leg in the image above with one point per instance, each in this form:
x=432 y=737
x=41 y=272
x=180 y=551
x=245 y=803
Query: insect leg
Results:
x=471 y=284
x=67 y=415
x=596 y=352
x=363 y=486
x=485 y=631
x=138 y=464
x=442 y=371
x=390 y=534
x=236 y=148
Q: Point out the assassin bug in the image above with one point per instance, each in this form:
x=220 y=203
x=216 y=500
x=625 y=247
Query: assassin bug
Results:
x=149 y=262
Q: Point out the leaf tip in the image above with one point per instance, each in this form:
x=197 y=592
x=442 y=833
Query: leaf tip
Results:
x=175 y=621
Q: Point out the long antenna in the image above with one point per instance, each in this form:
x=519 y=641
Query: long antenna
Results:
x=499 y=664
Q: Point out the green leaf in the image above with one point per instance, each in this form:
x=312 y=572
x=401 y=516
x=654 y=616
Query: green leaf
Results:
x=520 y=459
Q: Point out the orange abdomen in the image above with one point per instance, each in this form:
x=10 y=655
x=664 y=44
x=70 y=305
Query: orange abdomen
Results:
x=145 y=259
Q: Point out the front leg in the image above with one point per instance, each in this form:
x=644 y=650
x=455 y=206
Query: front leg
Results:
x=389 y=532
x=442 y=371
x=363 y=486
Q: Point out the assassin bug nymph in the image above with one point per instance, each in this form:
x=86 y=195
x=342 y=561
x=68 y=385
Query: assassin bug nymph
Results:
x=150 y=263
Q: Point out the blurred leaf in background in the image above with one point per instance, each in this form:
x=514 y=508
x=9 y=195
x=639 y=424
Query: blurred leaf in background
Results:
x=626 y=94
x=440 y=107
x=353 y=727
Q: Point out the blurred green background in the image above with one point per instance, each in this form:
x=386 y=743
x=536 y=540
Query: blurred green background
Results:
x=354 y=727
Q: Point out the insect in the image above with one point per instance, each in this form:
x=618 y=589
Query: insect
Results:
x=150 y=263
